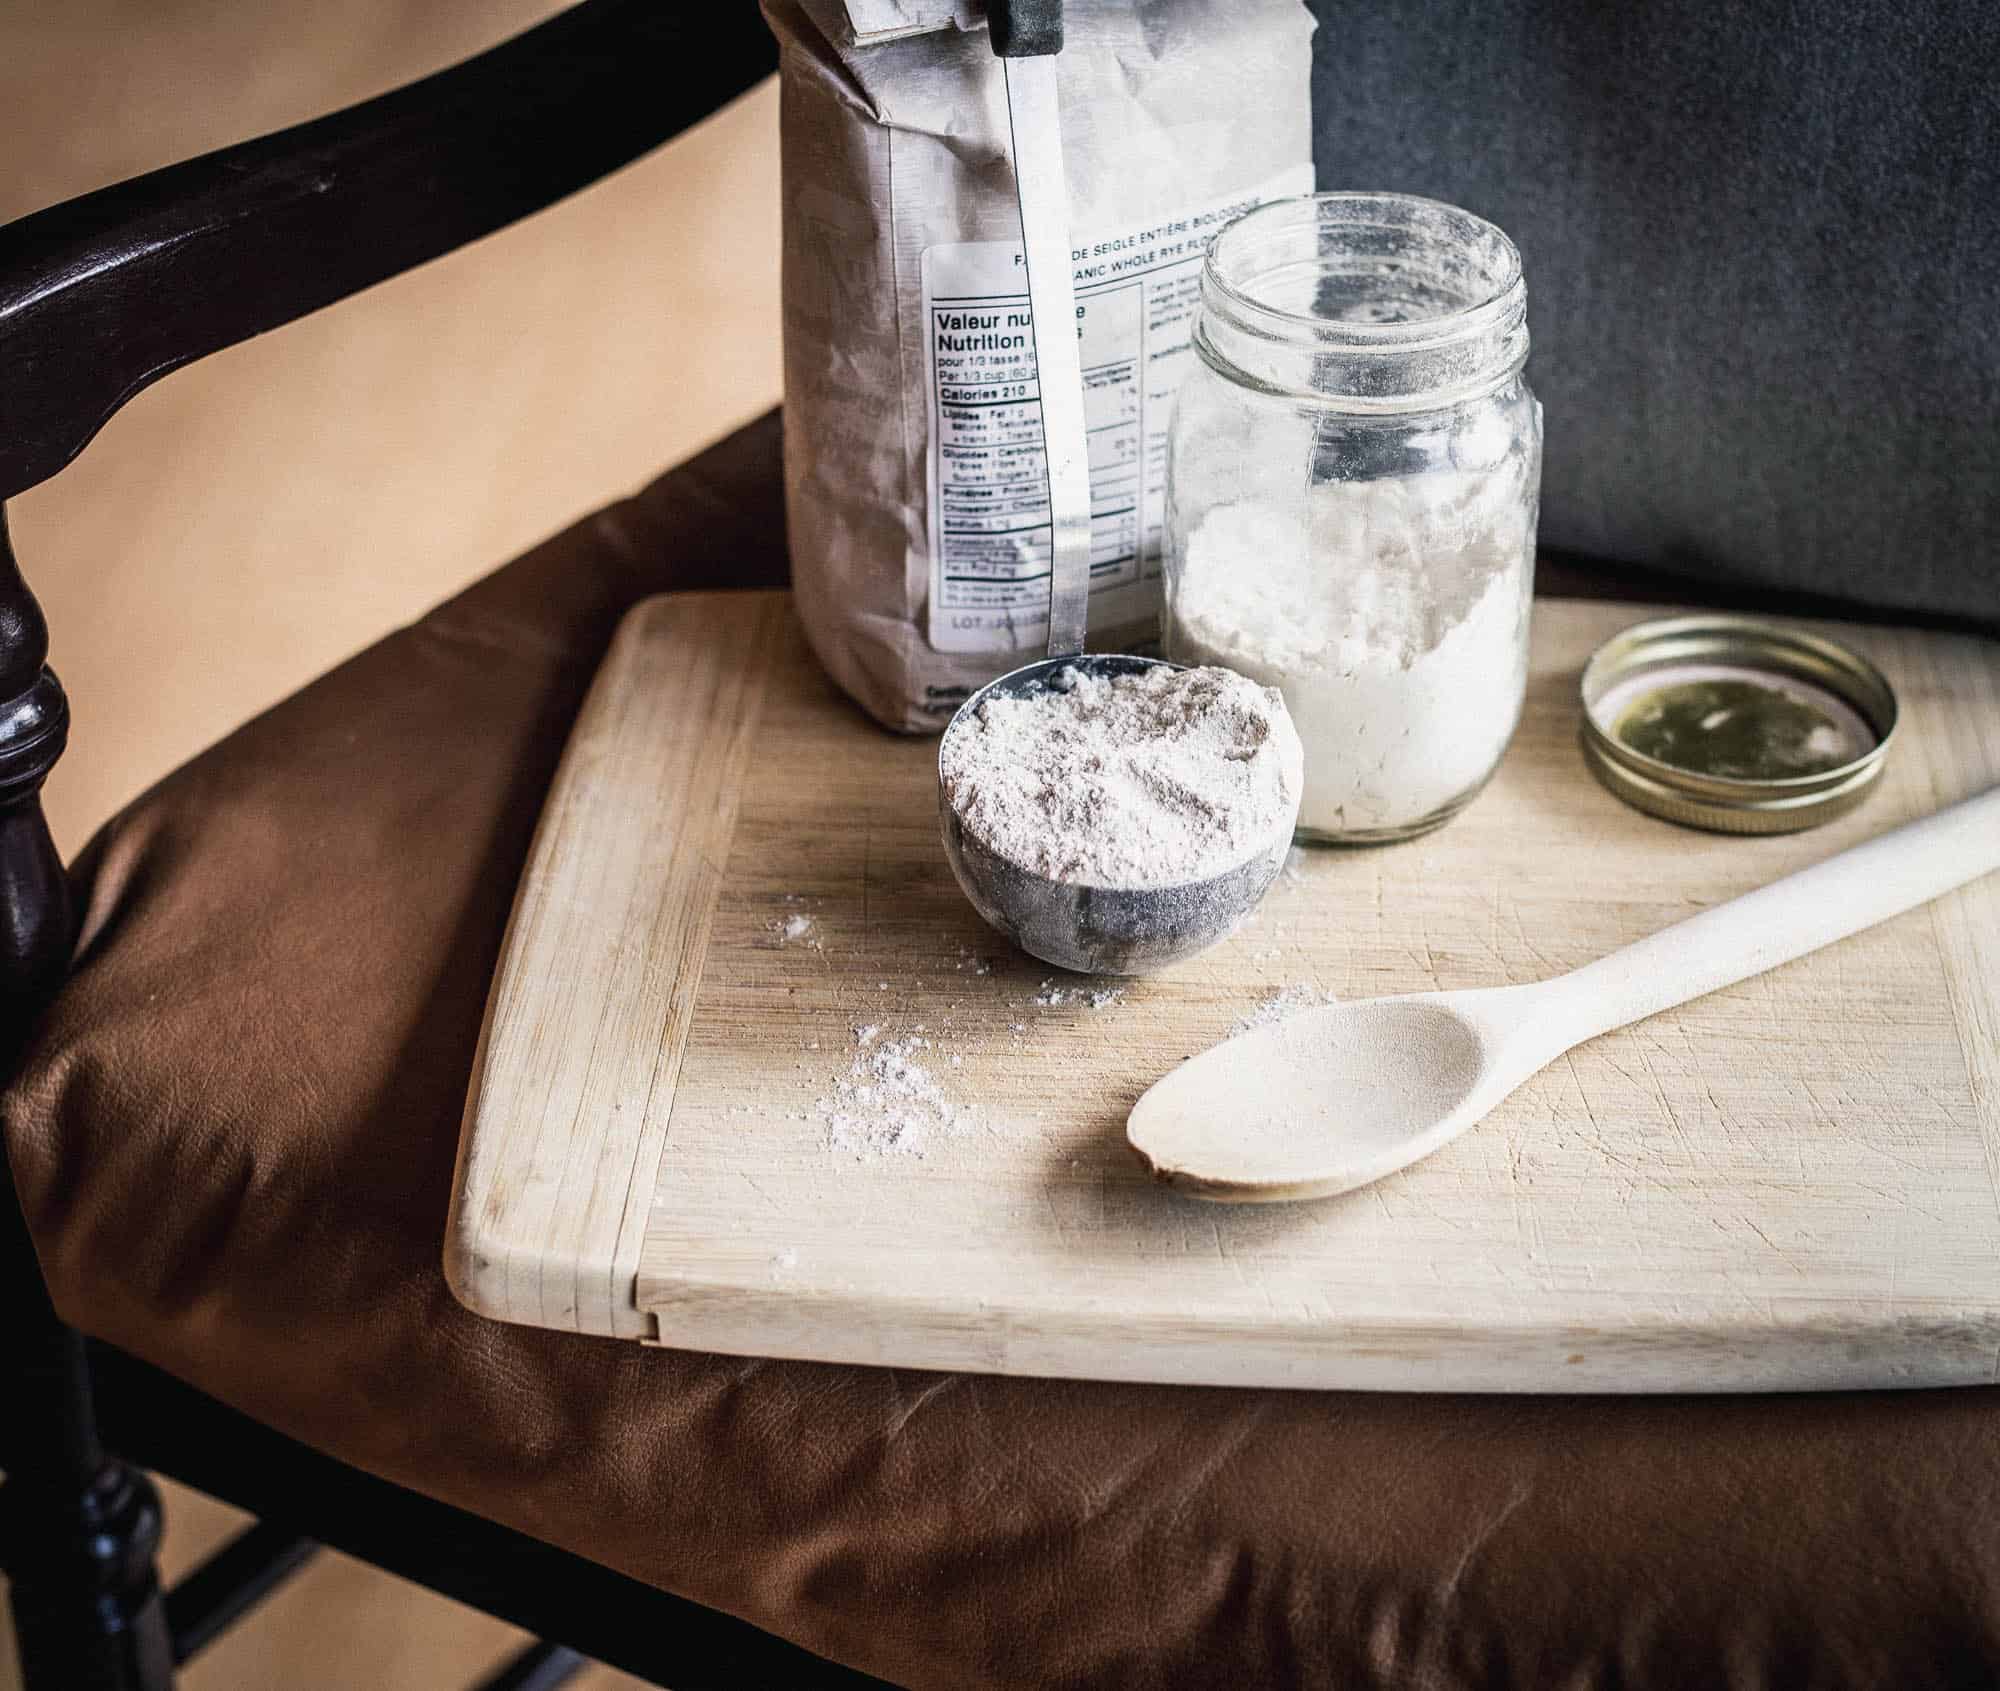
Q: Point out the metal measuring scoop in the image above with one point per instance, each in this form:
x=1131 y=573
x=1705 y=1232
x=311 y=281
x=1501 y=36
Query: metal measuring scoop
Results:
x=1097 y=930
x=1094 y=930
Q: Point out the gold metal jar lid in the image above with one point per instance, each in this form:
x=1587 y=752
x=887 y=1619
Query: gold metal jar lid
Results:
x=1735 y=724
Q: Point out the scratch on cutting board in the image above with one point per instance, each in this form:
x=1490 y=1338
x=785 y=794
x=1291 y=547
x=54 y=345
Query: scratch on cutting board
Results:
x=1777 y=1249
x=771 y=1202
x=867 y=862
x=1665 y=1100
x=1055 y=1217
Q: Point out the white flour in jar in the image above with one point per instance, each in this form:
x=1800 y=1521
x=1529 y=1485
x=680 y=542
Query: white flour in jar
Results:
x=1153 y=779
x=1392 y=616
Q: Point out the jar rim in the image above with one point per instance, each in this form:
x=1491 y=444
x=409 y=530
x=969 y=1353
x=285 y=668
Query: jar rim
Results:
x=1502 y=293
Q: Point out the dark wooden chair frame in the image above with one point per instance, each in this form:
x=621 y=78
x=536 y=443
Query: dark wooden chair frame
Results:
x=98 y=298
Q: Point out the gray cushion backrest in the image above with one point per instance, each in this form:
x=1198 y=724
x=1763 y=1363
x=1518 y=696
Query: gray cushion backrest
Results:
x=1763 y=253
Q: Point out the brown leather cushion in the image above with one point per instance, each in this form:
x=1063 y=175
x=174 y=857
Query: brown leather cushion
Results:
x=234 y=1138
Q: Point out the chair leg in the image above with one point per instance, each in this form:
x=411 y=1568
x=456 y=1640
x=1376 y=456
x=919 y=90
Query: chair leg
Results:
x=78 y=1528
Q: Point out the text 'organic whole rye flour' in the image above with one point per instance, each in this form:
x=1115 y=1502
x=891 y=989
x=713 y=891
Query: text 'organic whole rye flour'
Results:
x=917 y=510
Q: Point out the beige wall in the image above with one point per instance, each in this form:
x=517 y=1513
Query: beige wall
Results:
x=248 y=522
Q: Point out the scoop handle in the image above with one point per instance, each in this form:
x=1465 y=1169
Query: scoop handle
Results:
x=1859 y=887
x=1028 y=34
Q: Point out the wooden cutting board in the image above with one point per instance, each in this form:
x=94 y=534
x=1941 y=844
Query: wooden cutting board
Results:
x=1792 y=1184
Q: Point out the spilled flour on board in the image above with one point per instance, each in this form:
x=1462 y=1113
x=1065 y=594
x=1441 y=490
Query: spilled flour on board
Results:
x=888 y=1100
x=1286 y=1001
x=1054 y=997
x=797 y=926
x=894 y=1096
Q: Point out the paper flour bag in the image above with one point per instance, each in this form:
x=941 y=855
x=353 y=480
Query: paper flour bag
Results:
x=913 y=459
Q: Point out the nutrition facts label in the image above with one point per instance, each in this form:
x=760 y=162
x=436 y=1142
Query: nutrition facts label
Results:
x=1136 y=292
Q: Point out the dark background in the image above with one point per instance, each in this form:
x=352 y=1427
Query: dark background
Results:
x=1762 y=245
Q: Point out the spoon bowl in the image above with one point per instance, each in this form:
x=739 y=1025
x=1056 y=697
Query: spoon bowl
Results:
x=1391 y=1079
x=1090 y=929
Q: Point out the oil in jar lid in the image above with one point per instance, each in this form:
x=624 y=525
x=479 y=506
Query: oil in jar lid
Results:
x=1735 y=724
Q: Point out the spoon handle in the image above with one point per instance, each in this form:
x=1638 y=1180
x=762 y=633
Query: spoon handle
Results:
x=1856 y=889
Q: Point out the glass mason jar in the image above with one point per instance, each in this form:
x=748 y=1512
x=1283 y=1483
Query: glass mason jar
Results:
x=1353 y=473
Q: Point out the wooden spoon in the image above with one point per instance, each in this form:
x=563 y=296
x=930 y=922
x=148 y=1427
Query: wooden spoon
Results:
x=1331 y=1099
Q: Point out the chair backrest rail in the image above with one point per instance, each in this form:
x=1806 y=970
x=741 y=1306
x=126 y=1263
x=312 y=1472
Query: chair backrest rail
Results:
x=103 y=295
